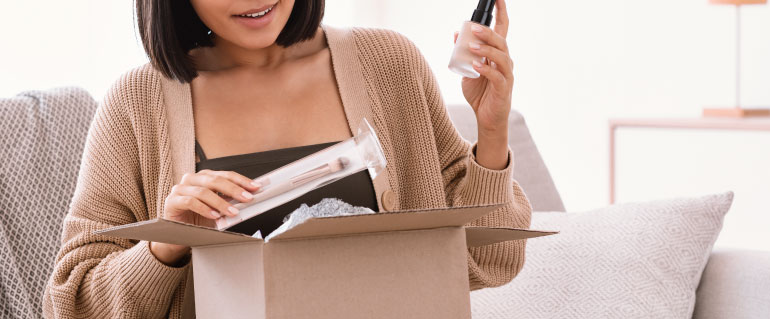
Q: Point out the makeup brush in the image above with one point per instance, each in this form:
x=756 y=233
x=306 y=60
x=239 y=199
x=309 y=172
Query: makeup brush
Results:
x=331 y=167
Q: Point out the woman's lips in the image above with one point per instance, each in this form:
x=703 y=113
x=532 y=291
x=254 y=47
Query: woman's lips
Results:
x=253 y=20
x=259 y=11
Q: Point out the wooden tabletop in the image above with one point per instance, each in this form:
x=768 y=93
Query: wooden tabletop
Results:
x=748 y=124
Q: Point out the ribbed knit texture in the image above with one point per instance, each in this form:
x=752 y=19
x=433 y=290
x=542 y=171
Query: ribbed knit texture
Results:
x=127 y=173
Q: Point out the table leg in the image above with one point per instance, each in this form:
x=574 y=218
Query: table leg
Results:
x=612 y=163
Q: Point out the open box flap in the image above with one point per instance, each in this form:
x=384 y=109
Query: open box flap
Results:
x=481 y=236
x=171 y=232
x=387 y=221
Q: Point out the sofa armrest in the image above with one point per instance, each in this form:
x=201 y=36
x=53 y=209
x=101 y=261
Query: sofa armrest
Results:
x=735 y=284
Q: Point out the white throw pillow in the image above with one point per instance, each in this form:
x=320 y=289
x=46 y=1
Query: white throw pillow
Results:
x=637 y=260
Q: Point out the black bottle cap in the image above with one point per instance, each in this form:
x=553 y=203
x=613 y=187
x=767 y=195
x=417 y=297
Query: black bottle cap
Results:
x=483 y=13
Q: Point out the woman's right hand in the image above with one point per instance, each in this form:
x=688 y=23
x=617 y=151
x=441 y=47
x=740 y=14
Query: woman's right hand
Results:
x=198 y=195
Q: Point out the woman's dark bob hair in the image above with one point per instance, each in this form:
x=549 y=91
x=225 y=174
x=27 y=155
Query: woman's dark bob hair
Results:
x=170 y=29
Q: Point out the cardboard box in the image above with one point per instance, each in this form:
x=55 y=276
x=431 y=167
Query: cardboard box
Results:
x=400 y=264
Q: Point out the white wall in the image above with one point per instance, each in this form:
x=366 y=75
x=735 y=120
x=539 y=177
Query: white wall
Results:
x=578 y=63
x=665 y=163
x=47 y=43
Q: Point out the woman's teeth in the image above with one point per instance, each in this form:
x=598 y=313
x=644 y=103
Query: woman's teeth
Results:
x=256 y=15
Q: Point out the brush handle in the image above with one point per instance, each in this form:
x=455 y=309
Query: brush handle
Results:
x=267 y=194
x=295 y=182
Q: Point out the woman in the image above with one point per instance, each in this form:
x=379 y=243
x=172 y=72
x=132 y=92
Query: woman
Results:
x=257 y=84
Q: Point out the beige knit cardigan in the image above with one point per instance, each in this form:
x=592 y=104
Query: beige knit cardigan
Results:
x=141 y=142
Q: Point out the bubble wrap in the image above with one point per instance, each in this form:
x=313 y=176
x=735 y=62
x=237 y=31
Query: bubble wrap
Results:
x=328 y=207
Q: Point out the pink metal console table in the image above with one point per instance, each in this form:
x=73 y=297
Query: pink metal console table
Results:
x=741 y=124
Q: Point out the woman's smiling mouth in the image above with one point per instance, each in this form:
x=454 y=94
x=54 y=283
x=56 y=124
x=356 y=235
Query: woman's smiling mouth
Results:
x=257 y=14
x=257 y=18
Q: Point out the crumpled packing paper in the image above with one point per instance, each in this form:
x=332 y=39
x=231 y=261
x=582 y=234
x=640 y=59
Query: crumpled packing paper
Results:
x=328 y=207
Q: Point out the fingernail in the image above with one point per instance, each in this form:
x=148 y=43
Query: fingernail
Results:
x=233 y=210
x=476 y=64
x=247 y=195
x=255 y=184
x=476 y=28
x=215 y=214
x=474 y=45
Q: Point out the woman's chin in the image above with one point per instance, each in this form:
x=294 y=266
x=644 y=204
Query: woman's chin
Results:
x=257 y=44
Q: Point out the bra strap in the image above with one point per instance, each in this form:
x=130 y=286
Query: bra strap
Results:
x=199 y=150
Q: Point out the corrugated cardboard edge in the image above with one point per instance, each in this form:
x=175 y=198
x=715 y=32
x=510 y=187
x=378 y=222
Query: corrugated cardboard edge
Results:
x=166 y=231
x=387 y=222
x=171 y=232
x=482 y=236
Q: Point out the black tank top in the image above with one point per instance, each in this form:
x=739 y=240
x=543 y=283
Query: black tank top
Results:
x=356 y=189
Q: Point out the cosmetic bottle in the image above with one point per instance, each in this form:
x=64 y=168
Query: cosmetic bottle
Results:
x=462 y=58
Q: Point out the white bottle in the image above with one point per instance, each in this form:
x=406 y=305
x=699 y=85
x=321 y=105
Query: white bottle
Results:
x=462 y=58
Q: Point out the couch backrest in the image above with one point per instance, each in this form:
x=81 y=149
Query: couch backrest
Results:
x=529 y=170
x=42 y=135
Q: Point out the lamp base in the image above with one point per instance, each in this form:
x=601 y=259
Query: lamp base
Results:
x=735 y=112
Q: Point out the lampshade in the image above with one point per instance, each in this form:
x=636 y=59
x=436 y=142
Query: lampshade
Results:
x=738 y=2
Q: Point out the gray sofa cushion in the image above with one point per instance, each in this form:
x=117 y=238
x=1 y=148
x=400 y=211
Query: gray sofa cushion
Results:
x=42 y=135
x=735 y=284
x=529 y=169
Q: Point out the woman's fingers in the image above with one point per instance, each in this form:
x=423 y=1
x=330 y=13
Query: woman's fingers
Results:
x=206 y=192
x=208 y=197
x=490 y=37
x=217 y=182
x=503 y=62
x=239 y=179
x=203 y=192
x=501 y=19
x=456 y=35
x=494 y=76
x=191 y=203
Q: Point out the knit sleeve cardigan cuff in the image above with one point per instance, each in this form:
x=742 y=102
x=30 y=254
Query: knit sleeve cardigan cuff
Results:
x=488 y=186
x=147 y=276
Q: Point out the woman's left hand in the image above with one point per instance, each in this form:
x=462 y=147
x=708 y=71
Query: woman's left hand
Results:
x=490 y=94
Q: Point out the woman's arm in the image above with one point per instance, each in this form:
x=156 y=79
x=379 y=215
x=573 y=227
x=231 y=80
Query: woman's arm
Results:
x=98 y=276
x=467 y=182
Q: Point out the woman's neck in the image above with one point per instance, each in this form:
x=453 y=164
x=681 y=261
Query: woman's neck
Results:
x=225 y=55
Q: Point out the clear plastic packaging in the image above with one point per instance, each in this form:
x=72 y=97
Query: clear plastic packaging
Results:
x=360 y=152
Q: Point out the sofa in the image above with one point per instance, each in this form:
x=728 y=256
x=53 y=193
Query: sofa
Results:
x=735 y=283
x=43 y=134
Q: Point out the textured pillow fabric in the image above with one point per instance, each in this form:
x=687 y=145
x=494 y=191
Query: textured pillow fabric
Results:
x=637 y=260
x=42 y=135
